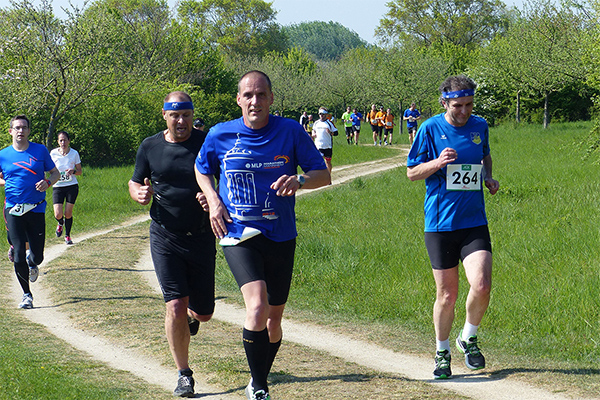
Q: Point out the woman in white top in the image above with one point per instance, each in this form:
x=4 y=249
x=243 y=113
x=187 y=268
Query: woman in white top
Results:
x=69 y=164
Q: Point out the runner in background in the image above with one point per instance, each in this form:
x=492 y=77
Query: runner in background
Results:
x=356 y=118
x=346 y=118
x=68 y=163
x=380 y=124
x=388 y=127
x=411 y=116
x=371 y=118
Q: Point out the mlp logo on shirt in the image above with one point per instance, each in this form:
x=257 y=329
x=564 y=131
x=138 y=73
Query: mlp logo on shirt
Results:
x=475 y=137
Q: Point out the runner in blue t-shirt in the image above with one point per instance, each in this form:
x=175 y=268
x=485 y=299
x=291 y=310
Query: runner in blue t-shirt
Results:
x=23 y=166
x=253 y=213
x=451 y=152
x=411 y=116
x=356 y=117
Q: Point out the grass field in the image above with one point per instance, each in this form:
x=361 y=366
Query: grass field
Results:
x=362 y=265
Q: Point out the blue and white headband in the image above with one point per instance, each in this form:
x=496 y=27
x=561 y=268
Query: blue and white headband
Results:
x=458 y=93
x=178 y=105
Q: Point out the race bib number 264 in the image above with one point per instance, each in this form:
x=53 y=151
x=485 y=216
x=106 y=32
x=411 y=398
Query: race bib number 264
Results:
x=463 y=177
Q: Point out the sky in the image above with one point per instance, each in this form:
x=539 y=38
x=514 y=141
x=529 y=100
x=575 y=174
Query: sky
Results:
x=357 y=15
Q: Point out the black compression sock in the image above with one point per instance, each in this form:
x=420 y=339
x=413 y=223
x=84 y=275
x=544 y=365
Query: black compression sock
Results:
x=256 y=345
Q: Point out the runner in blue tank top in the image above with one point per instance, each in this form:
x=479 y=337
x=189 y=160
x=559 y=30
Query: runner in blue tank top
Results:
x=451 y=153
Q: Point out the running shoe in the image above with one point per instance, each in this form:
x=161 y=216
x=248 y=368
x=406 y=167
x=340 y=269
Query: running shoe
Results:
x=258 y=395
x=27 y=302
x=33 y=268
x=68 y=240
x=185 y=386
x=473 y=357
x=442 y=365
x=11 y=254
x=194 y=325
x=59 y=229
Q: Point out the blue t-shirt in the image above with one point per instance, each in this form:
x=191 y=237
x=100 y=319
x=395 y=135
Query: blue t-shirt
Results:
x=451 y=210
x=21 y=171
x=411 y=113
x=356 y=117
x=250 y=160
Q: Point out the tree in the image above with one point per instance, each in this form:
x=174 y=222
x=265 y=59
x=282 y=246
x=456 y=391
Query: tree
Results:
x=542 y=53
x=238 y=27
x=293 y=75
x=326 y=40
x=460 y=22
x=50 y=67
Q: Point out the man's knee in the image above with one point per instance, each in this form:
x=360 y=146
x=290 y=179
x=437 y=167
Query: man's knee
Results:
x=177 y=308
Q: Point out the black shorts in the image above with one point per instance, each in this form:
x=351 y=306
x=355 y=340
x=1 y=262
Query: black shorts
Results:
x=375 y=128
x=349 y=131
x=27 y=228
x=262 y=259
x=411 y=129
x=388 y=131
x=447 y=248
x=326 y=153
x=356 y=128
x=185 y=267
x=62 y=193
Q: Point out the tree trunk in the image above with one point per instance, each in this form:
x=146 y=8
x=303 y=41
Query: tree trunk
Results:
x=401 y=119
x=518 y=114
x=546 y=116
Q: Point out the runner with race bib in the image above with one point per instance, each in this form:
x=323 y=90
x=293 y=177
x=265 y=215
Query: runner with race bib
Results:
x=451 y=152
x=67 y=188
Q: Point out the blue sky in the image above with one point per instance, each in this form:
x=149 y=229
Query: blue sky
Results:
x=358 y=15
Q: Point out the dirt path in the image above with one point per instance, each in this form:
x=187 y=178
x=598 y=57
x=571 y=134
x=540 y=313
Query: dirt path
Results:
x=476 y=386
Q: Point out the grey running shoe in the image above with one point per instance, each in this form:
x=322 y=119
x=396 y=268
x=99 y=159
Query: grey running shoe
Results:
x=27 y=302
x=11 y=254
x=442 y=365
x=185 y=387
x=33 y=269
x=473 y=357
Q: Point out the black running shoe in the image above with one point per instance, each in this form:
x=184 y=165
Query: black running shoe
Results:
x=442 y=365
x=473 y=357
x=185 y=386
x=194 y=325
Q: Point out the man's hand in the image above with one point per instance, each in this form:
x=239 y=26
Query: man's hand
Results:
x=286 y=185
x=145 y=192
x=202 y=200
x=492 y=185
x=447 y=156
x=218 y=217
x=42 y=186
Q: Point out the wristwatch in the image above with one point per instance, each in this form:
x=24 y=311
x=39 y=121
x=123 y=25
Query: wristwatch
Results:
x=301 y=180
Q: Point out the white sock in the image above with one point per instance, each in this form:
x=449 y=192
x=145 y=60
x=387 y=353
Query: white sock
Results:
x=442 y=345
x=468 y=331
